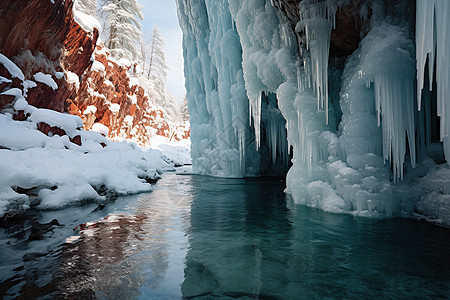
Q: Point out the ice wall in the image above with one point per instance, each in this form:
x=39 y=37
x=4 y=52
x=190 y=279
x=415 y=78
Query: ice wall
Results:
x=225 y=125
x=222 y=144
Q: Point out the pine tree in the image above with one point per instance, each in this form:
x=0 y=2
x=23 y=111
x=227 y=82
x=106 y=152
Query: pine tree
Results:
x=88 y=7
x=184 y=110
x=157 y=74
x=157 y=66
x=121 y=23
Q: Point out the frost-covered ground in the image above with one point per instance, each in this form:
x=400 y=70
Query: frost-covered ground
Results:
x=52 y=172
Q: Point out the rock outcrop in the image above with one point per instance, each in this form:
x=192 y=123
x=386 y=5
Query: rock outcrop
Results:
x=41 y=36
x=107 y=95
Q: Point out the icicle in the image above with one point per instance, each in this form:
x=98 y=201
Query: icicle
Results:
x=433 y=42
x=255 y=111
x=318 y=19
x=394 y=102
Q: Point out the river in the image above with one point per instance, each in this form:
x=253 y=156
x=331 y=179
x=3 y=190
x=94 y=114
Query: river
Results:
x=197 y=237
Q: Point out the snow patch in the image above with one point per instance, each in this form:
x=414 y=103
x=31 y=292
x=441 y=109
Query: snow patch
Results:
x=90 y=109
x=72 y=78
x=11 y=67
x=97 y=66
x=100 y=128
x=46 y=79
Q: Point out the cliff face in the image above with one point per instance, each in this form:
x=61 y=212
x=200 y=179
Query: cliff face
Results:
x=107 y=95
x=39 y=36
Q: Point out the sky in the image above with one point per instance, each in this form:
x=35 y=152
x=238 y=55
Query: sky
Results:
x=164 y=14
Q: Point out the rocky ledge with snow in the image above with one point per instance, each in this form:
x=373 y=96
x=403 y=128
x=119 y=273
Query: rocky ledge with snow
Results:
x=48 y=171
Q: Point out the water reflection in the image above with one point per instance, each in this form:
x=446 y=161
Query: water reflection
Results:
x=132 y=249
x=247 y=240
x=208 y=238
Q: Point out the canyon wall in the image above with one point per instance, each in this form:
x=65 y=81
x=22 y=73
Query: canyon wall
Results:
x=64 y=70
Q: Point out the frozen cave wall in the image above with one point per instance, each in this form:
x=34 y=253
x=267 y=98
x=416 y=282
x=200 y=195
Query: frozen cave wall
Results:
x=342 y=74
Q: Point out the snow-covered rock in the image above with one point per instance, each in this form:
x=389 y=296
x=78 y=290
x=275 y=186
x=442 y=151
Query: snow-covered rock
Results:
x=61 y=173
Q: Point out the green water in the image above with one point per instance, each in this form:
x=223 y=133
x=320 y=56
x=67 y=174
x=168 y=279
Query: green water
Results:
x=199 y=237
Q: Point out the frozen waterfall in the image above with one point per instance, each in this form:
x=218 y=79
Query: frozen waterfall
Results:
x=260 y=84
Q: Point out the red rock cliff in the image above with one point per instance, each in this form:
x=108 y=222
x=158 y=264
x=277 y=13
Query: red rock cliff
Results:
x=39 y=36
x=120 y=103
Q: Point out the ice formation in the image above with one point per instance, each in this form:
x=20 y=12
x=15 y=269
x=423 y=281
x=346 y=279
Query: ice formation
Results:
x=432 y=46
x=350 y=148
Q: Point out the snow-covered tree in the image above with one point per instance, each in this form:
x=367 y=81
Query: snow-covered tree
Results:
x=122 y=27
x=184 y=110
x=88 y=7
x=157 y=66
x=157 y=75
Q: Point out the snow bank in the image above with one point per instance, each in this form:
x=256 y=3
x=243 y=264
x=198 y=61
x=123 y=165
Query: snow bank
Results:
x=20 y=138
x=62 y=173
x=68 y=123
x=177 y=154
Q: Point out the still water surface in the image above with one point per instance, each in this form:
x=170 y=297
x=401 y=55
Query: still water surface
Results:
x=199 y=237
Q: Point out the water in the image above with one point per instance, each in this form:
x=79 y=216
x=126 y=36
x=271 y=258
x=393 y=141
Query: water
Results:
x=207 y=238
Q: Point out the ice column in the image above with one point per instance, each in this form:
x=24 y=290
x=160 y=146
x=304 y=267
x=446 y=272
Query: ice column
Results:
x=222 y=144
x=267 y=56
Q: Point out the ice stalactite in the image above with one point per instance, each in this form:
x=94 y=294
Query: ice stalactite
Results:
x=384 y=61
x=268 y=58
x=432 y=46
x=317 y=20
x=227 y=43
x=274 y=147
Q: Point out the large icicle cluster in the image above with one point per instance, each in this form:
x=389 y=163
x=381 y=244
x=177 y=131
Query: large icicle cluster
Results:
x=432 y=46
x=386 y=61
x=221 y=53
x=317 y=19
x=221 y=140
